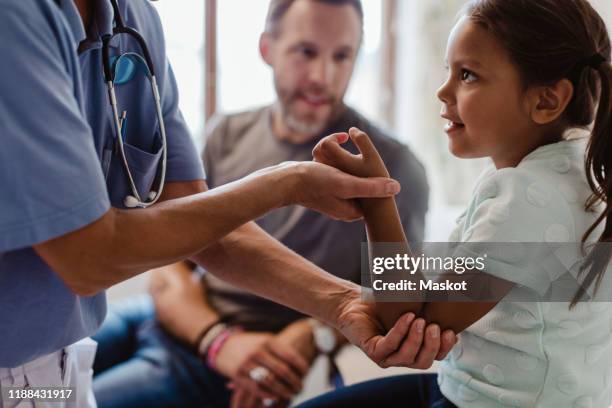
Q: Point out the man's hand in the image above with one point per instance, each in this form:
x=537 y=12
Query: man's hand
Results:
x=281 y=368
x=243 y=398
x=237 y=349
x=299 y=336
x=287 y=357
x=407 y=344
x=180 y=302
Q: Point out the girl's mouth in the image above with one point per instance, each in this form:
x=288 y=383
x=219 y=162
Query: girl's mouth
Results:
x=453 y=126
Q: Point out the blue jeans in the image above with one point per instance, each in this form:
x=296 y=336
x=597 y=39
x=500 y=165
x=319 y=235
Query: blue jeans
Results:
x=140 y=365
x=413 y=390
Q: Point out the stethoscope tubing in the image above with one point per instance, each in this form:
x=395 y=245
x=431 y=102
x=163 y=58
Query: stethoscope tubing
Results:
x=109 y=74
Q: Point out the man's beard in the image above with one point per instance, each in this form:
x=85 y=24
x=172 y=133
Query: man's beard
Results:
x=303 y=126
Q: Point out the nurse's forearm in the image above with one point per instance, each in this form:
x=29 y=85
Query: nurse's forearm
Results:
x=251 y=259
x=124 y=243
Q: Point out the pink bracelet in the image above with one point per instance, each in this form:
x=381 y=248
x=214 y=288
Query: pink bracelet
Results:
x=215 y=347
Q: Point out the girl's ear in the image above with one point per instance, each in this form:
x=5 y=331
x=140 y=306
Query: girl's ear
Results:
x=550 y=101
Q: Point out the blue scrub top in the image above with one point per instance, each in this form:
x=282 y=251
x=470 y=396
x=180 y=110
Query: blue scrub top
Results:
x=56 y=171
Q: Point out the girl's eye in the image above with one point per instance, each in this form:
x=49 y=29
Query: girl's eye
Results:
x=467 y=76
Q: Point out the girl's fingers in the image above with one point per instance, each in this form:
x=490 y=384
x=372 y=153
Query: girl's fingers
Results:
x=330 y=152
x=334 y=139
x=363 y=143
x=341 y=138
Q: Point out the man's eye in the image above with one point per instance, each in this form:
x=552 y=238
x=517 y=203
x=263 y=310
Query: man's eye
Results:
x=467 y=75
x=341 y=57
x=307 y=52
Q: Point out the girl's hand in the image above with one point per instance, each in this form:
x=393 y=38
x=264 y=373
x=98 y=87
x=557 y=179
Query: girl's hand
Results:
x=366 y=164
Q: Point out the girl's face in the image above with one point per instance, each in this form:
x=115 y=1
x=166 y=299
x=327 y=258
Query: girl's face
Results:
x=483 y=99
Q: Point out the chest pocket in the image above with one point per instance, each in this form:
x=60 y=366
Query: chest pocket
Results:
x=144 y=167
x=142 y=141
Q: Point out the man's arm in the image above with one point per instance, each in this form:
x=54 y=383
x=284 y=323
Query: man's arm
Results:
x=124 y=243
x=181 y=304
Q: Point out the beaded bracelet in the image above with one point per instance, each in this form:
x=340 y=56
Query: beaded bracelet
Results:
x=209 y=336
x=215 y=347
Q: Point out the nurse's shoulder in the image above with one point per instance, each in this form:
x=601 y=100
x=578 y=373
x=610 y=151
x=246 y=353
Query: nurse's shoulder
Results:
x=33 y=28
x=33 y=16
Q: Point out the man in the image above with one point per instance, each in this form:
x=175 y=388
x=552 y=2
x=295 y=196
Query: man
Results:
x=65 y=232
x=311 y=47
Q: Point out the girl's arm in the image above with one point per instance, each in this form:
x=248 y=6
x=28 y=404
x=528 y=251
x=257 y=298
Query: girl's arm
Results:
x=383 y=225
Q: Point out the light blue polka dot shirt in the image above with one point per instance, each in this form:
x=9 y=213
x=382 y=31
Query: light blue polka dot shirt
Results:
x=527 y=354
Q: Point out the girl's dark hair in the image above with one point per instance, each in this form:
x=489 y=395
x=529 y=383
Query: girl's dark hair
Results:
x=549 y=40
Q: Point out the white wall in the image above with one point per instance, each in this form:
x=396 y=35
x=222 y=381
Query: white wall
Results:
x=604 y=7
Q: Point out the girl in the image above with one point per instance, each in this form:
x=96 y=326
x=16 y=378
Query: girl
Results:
x=522 y=73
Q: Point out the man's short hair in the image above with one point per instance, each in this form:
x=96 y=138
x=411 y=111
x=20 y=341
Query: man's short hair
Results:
x=278 y=8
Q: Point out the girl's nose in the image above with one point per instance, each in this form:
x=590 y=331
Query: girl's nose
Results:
x=444 y=93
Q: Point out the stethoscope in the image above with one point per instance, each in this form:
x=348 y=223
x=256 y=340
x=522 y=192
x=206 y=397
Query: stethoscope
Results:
x=134 y=200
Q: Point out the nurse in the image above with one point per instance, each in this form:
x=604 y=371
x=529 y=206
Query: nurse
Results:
x=66 y=234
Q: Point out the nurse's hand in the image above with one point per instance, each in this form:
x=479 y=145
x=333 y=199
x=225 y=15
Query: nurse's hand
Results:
x=408 y=344
x=330 y=191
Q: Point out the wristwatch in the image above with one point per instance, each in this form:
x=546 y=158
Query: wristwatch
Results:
x=324 y=336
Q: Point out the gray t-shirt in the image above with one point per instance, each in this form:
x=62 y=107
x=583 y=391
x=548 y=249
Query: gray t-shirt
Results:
x=242 y=143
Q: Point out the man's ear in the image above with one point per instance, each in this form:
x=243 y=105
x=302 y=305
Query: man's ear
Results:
x=265 y=42
x=550 y=101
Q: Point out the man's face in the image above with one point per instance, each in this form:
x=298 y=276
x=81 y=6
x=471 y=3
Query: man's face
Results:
x=313 y=56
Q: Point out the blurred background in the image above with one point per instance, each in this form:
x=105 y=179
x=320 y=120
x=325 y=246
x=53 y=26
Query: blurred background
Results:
x=213 y=48
x=400 y=66
x=213 y=44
